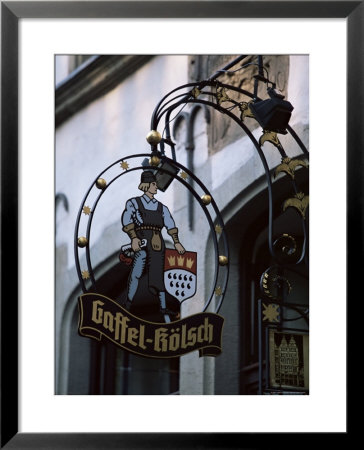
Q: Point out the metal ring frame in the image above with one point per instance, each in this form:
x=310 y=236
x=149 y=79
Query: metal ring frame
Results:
x=218 y=220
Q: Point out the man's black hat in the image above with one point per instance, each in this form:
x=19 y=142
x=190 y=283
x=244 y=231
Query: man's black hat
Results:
x=147 y=177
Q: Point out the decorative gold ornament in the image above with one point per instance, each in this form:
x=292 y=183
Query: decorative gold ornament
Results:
x=154 y=137
x=222 y=96
x=218 y=291
x=85 y=274
x=270 y=136
x=299 y=201
x=101 y=183
x=275 y=286
x=86 y=210
x=245 y=111
x=154 y=161
x=184 y=175
x=286 y=244
x=82 y=241
x=124 y=165
x=218 y=229
x=223 y=260
x=271 y=312
x=195 y=92
x=289 y=166
x=206 y=199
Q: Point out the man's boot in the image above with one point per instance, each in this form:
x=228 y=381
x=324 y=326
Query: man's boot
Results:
x=169 y=316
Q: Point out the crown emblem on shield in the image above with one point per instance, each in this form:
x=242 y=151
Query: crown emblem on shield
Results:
x=189 y=263
x=172 y=260
x=180 y=274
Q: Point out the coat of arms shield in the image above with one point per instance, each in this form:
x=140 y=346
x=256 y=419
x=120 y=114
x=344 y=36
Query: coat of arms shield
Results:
x=180 y=274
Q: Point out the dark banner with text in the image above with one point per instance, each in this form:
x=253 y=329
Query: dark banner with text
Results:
x=101 y=317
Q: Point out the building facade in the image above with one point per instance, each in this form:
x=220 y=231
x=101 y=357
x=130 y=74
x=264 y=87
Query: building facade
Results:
x=104 y=106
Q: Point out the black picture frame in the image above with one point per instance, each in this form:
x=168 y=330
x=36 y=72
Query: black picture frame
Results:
x=11 y=13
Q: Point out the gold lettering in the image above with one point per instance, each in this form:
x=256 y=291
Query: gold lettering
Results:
x=174 y=341
x=108 y=321
x=199 y=333
x=191 y=336
x=209 y=330
x=160 y=341
x=141 y=337
x=97 y=312
x=121 y=324
x=183 y=337
x=133 y=334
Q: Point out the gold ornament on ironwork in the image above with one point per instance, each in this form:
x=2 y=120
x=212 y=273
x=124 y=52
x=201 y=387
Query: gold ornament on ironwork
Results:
x=82 y=242
x=154 y=161
x=86 y=210
x=223 y=260
x=289 y=166
x=270 y=136
x=124 y=165
x=218 y=229
x=272 y=281
x=286 y=244
x=265 y=283
x=221 y=96
x=245 y=111
x=184 y=175
x=206 y=199
x=85 y=274
x=101 y=183
x=154 y=137
x=299 y=201
x=195 y=92
x=218 y=291
x=271 y=312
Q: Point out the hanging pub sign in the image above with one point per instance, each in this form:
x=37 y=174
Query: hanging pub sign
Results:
x=159 y=307
x=147 y=318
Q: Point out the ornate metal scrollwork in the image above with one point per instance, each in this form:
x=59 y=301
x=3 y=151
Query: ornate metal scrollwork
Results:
x=274 y=285
x=299 y=202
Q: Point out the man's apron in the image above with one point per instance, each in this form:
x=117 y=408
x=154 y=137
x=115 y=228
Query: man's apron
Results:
x=150 y=230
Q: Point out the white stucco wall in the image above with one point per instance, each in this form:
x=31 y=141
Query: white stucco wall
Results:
x=106 y=130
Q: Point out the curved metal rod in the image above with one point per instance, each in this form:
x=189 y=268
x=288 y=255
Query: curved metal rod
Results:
x=262 y=157
x=170 y=101
x=182 y=116
x=258 y=147
x=153 y=124
x=303 y=222
x=187 y=96
x=189 y=117
x=303 y=315
x=229 y=87
x=185 y=101
x=78 y=268
x=298 y=140
x=200 y=84
x=181 y=181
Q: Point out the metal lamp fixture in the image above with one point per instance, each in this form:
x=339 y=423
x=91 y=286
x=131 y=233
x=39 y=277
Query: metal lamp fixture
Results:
x=274 y=113
x=163 y=177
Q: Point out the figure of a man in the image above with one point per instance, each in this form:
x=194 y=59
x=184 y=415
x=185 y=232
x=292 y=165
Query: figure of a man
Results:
x=143 y=218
